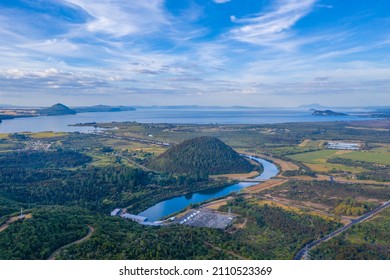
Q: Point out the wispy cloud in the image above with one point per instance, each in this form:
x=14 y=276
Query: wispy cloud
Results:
x=123 y=50
x=221 y=1
x=121 y=18
x=271 y=26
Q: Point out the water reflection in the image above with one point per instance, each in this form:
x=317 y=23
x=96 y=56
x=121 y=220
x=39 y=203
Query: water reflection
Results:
x=176 y=204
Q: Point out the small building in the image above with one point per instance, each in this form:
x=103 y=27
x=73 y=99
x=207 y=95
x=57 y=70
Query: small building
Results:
x=116 y=212
x=135 y=218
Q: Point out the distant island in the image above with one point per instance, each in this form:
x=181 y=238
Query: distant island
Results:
x=103 y=108
x=313 y=106
x=327 y=113
x=56 y=110
x=384 y=113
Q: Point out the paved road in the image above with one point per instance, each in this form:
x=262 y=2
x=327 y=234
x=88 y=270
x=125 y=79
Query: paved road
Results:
x=309 y=246
x=56 y=252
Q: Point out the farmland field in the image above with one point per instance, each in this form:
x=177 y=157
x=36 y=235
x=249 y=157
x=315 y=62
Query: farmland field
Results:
x=314 y=157
x=374 y=157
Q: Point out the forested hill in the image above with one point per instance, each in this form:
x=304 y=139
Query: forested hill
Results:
x=201 y=155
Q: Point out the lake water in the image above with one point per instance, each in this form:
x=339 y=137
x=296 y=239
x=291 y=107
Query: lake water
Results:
x=176 y=204
x=158 y=115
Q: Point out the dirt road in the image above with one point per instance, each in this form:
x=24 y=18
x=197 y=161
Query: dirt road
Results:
x=56 y=252
x=14 y=219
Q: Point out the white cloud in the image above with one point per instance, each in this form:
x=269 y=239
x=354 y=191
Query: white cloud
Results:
x=221 y=1
x=271 y=27
x=120 y=18
x=128 y=48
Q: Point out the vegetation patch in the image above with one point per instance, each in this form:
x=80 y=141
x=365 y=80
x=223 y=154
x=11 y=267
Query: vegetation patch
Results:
x=46 y=231
x=366 y=241
x=374 y=157
x=331 y=194
x=204 y=155
x=37 y=159
x=272 y=232
x=353 y=207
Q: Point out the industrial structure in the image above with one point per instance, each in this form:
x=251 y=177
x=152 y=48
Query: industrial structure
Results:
x=116 y=212
x=135 y=218
x=203 y=217
x=343 y=146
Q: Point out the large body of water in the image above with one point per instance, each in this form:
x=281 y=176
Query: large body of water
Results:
x=158 y=115
x=176 y=204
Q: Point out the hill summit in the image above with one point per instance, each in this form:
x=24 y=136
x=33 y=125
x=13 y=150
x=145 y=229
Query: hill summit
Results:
x=204 y=155
x=57 y=109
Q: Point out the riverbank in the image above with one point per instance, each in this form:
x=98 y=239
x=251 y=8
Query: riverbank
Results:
x=174 y=205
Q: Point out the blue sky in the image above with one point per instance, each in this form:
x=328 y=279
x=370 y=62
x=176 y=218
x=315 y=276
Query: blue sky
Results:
x=205 y=52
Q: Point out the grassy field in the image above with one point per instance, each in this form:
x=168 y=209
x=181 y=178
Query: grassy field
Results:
x=298 y=210
x=101 y=160
x=46 y=134
x=326 y=196
x=307 y=143
x=317 y=160
x=314 y=157
x=281 y=205
x=374 y=157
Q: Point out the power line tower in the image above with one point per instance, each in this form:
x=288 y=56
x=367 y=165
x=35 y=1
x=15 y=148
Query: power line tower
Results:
x=230 y=214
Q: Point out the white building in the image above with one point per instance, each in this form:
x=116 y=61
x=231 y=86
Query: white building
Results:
x=135 y=218
x=343 y=146
x=116 y=212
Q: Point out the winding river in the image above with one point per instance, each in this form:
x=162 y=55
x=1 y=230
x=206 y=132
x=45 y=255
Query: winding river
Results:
x=176 y=204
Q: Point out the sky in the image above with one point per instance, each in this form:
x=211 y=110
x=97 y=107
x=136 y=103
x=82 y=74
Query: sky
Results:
x=263 y=53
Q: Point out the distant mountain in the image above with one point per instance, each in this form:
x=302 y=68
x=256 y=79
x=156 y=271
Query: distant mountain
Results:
x=204 y=155
x=383 y=113
x=314 y=106
x=327 y=113
x=56 y=110
x=103 y=108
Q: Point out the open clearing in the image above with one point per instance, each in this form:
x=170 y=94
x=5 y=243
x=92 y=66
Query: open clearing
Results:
x=264 y=186
x=307 y=143
x=14 y=219
x=203 y=217
x=239 y=177
x=374 y=157
x=46 y=134
x=314 y=157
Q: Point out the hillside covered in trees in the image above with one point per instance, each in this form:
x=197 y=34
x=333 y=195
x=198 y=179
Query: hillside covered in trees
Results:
x=202 y=154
